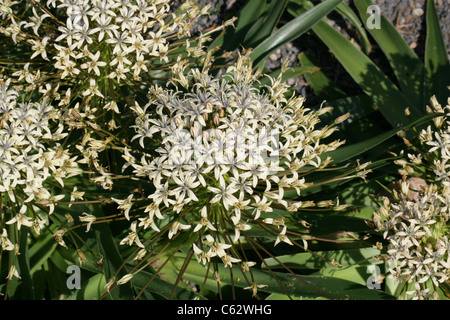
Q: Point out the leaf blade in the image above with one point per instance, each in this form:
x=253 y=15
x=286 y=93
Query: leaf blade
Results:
x=436 y=60
x=292 y=30
x=406 y=65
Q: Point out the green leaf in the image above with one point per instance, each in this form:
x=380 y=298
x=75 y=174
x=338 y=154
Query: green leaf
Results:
x=295 y=286
x=252 y=11
x=41 y=251
x=337 y=224
x=347 y=152
x=92 y=289
x=232 y=38
x=160 y=287
x=406 y=65
x=356 y=274
x=265 y=25
x=359 y=107
x=436 y=59
x=288 y=74
x=348 y=13
x=292 y=30
x=23 y=288
x=367 y=75
x=387 y=97
x=319 y=259
x=319 y=81
x=112 y=260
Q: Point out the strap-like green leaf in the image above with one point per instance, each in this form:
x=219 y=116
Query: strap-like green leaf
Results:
x=347 y=152
x=233 y=37
x=41 y=251
x=265 y=25
x=295 y=286
x=351 y=16
x=406 y=65
x=288 y=74
x=321 y=84
x=161 y=287
x=292 y=30
x=321 y=259
x=436 y=59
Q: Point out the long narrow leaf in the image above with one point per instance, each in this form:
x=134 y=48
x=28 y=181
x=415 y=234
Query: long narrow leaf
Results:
x=387 y=97
x=41 y=251
x=292 y=30
x=26 y=284
x=232 y=38
x=321 y=84
x=288 y=74
x=265 y=25
x=436 y=59
x=321 y=259
x=112 y=260
x=406 y=65
x=282 y=283
x=348 y=13
x=347 y=152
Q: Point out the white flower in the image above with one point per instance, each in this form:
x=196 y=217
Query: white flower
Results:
x=21 y=219
x=238 y=228
x=13 y=273
x=124 y=205
x=5 y=243
x=217 y=248
x=283 y=238
x=148 y=221
x=229 y=260
x=132 y=237
x=224 y=193
x=204 y=222
x=186 y=185
x=204 y=257
x=415 y=229
x=177 y=226
x=419 y=293
x=93 y=64
x=89 y=218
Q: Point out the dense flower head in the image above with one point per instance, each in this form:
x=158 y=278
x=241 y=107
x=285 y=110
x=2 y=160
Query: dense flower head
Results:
x=94 y=56
x=415 y=219
x=26 y=159
x=101 y=41
x=429 y=158
x=419 y=245
x=226 y=154
x=33 y=164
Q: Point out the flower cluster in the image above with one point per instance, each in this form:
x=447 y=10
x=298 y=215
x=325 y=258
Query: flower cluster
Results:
x=30 y=155
x=226 y=154
x=100 y=39
x=86 y=54
x=417 y=231
x=430 y=158
x=416 y=225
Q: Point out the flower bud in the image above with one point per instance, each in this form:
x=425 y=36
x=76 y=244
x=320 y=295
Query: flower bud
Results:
x=405 y=187
x=107 y=286
x=125 y=279
x=342 y=118
x=216 y=118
